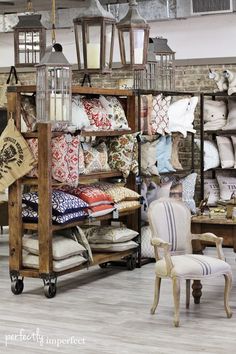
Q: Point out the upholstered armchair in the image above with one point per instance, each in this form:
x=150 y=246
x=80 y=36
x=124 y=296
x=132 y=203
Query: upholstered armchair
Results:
x=170 y=222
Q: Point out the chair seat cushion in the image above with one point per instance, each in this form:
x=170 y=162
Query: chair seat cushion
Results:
x=193 y=266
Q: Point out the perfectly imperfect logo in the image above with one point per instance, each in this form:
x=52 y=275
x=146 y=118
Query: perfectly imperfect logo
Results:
x=41 y=340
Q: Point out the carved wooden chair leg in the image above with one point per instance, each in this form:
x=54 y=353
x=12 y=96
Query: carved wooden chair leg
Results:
x=156 y=295
x=176 y=295
x=188 y=284
x=228 y=286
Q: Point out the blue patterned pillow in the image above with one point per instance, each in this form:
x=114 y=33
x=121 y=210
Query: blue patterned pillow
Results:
x=61 y=202
x=164 y=148
x=30 y=215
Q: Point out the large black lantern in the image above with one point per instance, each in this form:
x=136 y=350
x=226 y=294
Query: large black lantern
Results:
x=29 y=39
x=94 y=37
x=133 y=38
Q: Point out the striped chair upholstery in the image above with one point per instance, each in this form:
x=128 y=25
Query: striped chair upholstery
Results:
x=170 y=222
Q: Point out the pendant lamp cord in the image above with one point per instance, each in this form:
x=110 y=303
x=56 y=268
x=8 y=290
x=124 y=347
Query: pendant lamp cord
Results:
x=53 y=21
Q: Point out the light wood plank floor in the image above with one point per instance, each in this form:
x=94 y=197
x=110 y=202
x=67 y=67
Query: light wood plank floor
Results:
x=108 y=311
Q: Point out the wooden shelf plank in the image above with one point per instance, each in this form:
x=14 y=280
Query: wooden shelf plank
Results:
x=30 y=135
x=106 y=132
x=82 y=178
x=221 y=132
x=78 y=89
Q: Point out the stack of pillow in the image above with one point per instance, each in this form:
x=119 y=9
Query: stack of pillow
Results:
x=98 y=202
x=66 y=208
x=111 y=238
x=124 y=198
x=66 y=252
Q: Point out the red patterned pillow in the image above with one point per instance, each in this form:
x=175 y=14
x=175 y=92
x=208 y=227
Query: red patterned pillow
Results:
x=91 y=195
x=65 y=158
x=98 y=117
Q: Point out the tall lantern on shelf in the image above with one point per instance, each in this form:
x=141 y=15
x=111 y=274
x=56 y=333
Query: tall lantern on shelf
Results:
x=165 y=62
x=94 y=37
x=147 y=79
x=29 y=39
x=133 y=33
x=53 y=86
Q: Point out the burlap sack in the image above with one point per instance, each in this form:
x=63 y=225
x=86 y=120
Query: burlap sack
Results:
x=16 y=158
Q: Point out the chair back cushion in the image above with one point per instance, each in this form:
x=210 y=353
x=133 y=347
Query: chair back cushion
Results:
x=170 y=220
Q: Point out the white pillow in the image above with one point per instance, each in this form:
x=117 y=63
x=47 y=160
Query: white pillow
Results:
x=212 y=189
x=181 y=115
x=32 y=261
x=189 y=183
x=147 y=250
x=226 y=151
x=111 y=234
x=78 y=115
x=231 y=119
x=214 y=114
x=233 y=138
x=227 y=186
x=211 y=154
x=62 y=247
x=113 y=247
x=149 y=158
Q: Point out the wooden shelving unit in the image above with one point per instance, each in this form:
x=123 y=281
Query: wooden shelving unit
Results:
x=45 y=183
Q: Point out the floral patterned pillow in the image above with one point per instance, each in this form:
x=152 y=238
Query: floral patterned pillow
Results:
x=115 y=111
x=95 y=158
x=97 y=115
x=65 y=158
x=120 y=153
x=160 y=119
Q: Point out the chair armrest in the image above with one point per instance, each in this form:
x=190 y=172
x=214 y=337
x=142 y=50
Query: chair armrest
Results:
x=159 y=243
x=210 y=237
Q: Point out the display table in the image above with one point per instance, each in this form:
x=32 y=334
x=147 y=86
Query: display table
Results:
x=225 y=228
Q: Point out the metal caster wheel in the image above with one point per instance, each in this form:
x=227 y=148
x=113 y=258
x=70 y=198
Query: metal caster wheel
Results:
x=131 y=263
x=103 y=265
x=17 y=286
x=50 y=290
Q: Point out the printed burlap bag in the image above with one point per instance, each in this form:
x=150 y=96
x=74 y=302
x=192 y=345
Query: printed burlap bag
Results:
x=16 y=158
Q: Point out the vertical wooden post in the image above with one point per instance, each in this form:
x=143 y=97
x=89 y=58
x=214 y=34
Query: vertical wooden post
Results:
x=45 y=198
x=15 y=197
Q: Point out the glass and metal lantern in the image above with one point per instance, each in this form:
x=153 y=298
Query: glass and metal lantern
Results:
x=94 y=37
x=29 y=39
x=165 y=59
x=53 y=86
x=147 y=79
x=133 y=33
